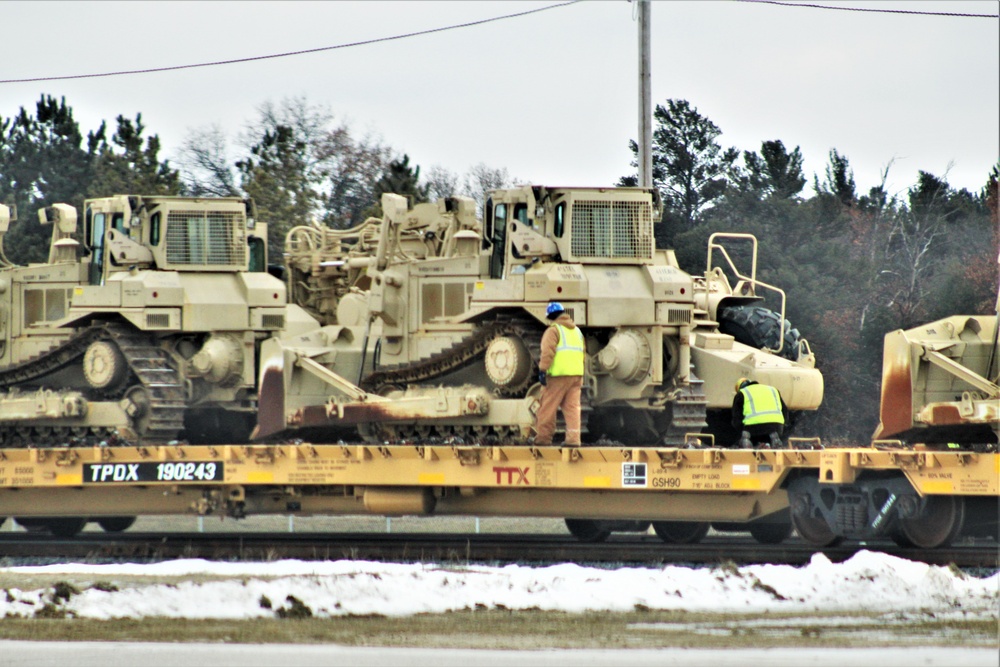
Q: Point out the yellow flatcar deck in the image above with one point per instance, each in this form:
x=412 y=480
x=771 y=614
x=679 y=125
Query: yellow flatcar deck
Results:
x=597 y=482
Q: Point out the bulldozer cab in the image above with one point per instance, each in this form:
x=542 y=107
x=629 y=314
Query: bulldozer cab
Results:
x=573 y=225
x=187 y=234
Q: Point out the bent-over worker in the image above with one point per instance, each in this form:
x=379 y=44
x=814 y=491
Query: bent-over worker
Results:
x=561 y=374
x=759 y=413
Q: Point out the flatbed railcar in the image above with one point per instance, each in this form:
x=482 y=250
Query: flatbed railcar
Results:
x=930 y=475
x=917 y=496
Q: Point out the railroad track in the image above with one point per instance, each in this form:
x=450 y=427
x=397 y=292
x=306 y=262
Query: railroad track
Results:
x=452 y=547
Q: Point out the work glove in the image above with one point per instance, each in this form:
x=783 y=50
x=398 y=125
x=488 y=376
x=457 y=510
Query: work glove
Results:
x=542 y=378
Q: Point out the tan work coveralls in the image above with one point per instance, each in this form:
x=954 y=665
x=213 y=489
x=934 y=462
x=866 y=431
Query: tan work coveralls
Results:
x=559 y=392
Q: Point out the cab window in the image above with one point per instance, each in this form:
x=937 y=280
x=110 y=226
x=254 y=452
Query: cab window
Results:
x=88 y=227
x=560 y=223
x=521 y=214
x=488 y=224
x=258 y=254
x=154 y=229
x=499 y=240
x=97 y=246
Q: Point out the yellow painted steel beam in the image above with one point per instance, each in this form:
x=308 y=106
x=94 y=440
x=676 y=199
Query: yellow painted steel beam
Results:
x=584 y=468
x=592 y=482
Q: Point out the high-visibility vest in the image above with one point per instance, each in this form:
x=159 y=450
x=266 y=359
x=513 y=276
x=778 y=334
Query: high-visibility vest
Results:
x=569 y=352
x=761 y=405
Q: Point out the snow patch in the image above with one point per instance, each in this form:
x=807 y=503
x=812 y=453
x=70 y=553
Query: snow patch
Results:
x=869 y=581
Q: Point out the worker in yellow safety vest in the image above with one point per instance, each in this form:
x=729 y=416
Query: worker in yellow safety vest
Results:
x=561 y=374
x=759 y=414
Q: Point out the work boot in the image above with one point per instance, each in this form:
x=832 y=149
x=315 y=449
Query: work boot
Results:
x=744 y=442
x=776 y=441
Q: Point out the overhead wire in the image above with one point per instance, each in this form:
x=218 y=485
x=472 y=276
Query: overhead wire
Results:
x=873 y=10
x=468 y=24
x=292 y=53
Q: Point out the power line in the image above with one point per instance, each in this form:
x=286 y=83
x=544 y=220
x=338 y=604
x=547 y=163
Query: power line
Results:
x=870 y=9
x=291 y=53
x=451 y=27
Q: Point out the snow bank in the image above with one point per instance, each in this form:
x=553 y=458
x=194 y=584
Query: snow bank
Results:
x=869 y=581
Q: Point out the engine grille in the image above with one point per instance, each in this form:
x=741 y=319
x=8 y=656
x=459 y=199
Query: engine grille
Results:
x=612 y=229
x=157 y=320
x=678 y=316
x=206 y=237
x=272 y=322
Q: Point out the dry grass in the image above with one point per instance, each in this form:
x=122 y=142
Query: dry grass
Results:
x=500 y=629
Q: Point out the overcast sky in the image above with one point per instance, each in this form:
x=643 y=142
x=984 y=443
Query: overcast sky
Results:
x=552 y=96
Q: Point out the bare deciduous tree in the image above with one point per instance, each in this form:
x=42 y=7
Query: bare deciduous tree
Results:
x=441 y=182
x=205 y=164
x=480 y=178
x=291 y=156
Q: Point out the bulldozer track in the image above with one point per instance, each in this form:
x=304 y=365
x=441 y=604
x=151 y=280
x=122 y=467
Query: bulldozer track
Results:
x=688 y=408
x=50 y=361
x=160 y=379
x=164 y=399
x=689 y=413
x=461 y=354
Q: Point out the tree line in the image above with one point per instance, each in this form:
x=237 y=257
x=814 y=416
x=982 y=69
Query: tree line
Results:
x=854 y=266
x=293 y=158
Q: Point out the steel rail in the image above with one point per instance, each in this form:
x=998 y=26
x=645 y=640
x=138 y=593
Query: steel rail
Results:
x=452 y=548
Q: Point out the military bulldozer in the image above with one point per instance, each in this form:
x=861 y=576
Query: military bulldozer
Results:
x=432 y=322
x=940 y=393
x=148 y=330
x=941 y=384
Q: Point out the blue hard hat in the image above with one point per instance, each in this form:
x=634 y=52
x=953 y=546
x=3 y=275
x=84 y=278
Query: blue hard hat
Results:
x=554 y=310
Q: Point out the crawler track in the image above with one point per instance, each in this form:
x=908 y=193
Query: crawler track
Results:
x=157 y=388
x=459 y=355
x=452 y=547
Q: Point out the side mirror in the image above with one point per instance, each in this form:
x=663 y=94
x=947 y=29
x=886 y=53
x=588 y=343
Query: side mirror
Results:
x=251 y=209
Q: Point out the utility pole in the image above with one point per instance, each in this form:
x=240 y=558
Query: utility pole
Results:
x=645 y=154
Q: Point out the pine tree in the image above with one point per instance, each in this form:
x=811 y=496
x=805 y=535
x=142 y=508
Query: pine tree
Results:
x=690 y=167
x=129 y=164
x=42 y=162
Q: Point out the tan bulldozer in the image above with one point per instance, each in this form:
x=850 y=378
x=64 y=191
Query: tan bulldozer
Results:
x=146 y=328
x=432 y=320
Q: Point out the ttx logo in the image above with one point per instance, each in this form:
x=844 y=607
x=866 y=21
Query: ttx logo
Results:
x=511 y=471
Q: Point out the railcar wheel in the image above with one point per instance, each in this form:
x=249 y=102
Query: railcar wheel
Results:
x=815 y=530
x=588 y=530
x=901 y=540
x=66 y=526
x=770 y=533
x=115 y=524
x=681 y=532
x=939 y=523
